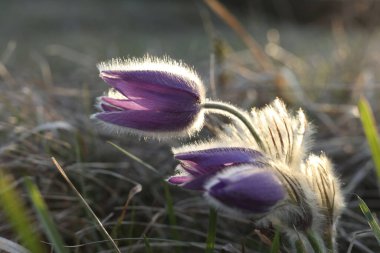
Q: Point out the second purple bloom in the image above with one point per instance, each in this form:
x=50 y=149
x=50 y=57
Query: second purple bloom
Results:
x=236 y=178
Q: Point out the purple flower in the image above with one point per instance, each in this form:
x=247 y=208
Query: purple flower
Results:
x=151 y=97
x=232 y=177
x=245 y=188
x=196 y=167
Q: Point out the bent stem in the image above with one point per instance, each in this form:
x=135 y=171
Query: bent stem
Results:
x=237 y=113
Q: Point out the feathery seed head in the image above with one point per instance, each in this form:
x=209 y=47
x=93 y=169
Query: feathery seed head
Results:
x=285 y=137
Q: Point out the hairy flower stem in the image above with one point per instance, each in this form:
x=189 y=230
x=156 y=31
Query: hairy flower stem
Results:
x=237 y=113
x=300 y=248
x=330 y=241
x=314 y=242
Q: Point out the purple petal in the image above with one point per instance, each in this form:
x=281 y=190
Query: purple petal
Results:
x=197 y=183
x=179 y=179
x=149 y=120
x=123 y=103
x=250 y=190
x=162 y=79
x=207 y=161
x=109 y=108
x=154 y=89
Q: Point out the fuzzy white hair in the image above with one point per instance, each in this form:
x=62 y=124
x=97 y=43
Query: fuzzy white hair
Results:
x=285 y=137
x=151 y=63
x=326 y=185
x=193 y=128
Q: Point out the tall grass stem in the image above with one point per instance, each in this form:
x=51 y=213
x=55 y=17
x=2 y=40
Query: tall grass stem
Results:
x=210 y=243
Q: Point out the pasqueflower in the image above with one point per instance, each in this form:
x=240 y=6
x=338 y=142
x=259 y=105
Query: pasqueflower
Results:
x=197 y=166
x=151 y=97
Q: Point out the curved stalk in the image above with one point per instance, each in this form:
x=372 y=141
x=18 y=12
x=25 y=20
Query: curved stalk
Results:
x=237 y=113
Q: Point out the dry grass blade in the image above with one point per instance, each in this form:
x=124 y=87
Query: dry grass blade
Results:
x=238 y=28
x=136 y=189
x=11 y=247
x=131 y=194
x=96 y=219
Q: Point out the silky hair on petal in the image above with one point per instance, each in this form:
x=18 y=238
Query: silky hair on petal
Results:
x=150 y=63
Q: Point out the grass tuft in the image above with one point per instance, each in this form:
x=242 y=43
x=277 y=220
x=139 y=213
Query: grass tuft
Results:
x=45 y=218
x=16 y=213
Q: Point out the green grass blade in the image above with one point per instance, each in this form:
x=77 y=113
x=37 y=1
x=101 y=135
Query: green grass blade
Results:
x=45 y=218
x=169 y=205
x=210 y=243
x=371 y=133
x=275 y=248
x=131 y=227
x=87 y=206
x=15 y=211
x=171 y=215
x=135 y=158
x=148 y=249
x=370 y=219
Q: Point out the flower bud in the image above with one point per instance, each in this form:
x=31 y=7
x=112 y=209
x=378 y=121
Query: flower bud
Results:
x=246 y=188
x=198 y=166
x=151 y=97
